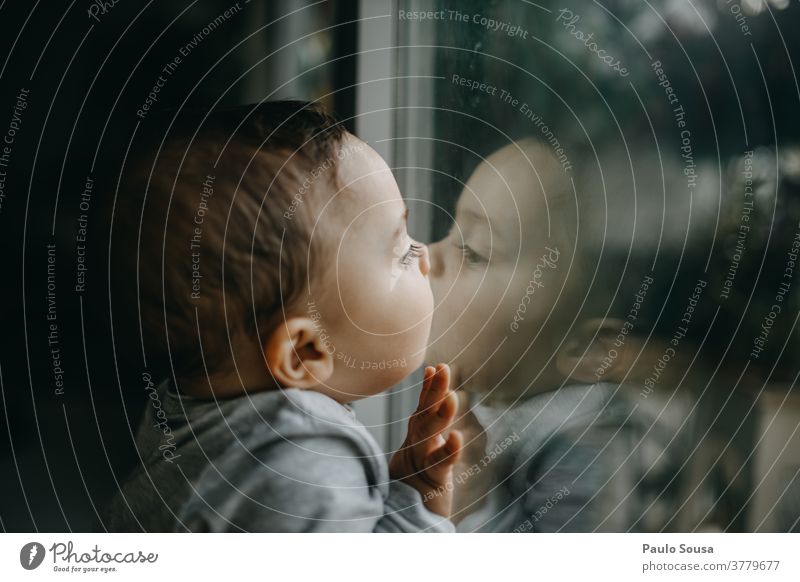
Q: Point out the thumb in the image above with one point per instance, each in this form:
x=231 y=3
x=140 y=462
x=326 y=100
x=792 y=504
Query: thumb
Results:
x=446 y=455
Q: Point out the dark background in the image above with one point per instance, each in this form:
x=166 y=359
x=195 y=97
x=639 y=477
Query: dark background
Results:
x=61 y=456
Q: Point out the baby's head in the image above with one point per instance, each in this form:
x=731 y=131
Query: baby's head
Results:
x=499 y=274
x=271 y=251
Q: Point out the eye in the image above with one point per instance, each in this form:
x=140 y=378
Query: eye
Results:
x=412 y=254
x=470 y=256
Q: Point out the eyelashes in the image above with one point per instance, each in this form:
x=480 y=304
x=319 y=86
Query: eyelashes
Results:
x=412 y=254
x=470 y=256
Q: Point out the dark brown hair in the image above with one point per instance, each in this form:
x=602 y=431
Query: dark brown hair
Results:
x=212 y=228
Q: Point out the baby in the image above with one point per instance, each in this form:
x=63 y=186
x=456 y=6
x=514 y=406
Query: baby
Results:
x=557 y=435
x=276 y=285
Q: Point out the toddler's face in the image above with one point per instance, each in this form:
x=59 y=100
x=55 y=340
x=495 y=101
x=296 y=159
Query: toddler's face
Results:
x=482 y=273
x=374 y=301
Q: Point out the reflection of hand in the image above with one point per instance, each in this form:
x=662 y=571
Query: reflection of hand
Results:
x=472 y=478
x=426 y=458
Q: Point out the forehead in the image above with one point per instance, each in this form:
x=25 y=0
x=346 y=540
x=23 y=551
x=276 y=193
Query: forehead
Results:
x=366 y=186
x=507 y=190
x=358 y=165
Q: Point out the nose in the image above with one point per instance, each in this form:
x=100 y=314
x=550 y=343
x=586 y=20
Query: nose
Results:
x=435 y=259
x=425 y=261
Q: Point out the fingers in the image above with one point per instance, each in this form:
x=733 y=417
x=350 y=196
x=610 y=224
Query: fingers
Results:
x=438 y=409
x=443 y=458
x=435 y=385
x=427 y=378
x=456 y=378
x=438 y=418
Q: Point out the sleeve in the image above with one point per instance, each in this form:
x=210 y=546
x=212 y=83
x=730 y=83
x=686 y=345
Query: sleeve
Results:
x=578 y=483
x=405 y=511
x=312 y=484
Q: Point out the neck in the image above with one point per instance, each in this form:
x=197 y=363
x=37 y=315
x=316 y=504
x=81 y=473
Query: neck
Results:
x=249 y=375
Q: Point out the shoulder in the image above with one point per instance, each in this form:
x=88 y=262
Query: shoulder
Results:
x=299 y=457
x=292 y=411
x=266 y=425
x=571 y=427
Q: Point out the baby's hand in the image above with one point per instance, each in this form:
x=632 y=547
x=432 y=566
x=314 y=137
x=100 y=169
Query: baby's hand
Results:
x=425 y=460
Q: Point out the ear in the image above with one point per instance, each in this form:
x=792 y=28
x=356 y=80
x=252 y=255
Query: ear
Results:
x=594 y=353
x=296 y=355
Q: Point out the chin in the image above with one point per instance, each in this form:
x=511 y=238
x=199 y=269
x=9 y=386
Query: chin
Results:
x=416 y=362
x=396 y=371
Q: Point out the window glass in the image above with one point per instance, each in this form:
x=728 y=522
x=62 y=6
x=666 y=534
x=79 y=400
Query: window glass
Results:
x=611 y=188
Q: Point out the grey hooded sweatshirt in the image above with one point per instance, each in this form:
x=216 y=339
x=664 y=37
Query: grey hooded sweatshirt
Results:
x=275 y=461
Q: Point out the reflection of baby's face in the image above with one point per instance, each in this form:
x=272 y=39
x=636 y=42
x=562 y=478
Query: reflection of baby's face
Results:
x=493 y=279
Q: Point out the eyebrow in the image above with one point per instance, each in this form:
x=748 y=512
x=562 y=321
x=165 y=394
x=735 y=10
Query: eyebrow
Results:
x=496 y=234
x=469 y=213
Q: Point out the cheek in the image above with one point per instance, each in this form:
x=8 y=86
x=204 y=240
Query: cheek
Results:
x=471 y=299
x=409 y=311
x=453 y=285
x=411 y=302
x=534 y=293
x=386 y=308
x=388 y=331
x=471 y=317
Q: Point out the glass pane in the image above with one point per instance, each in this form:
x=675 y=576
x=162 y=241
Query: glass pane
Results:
x=612 y=189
